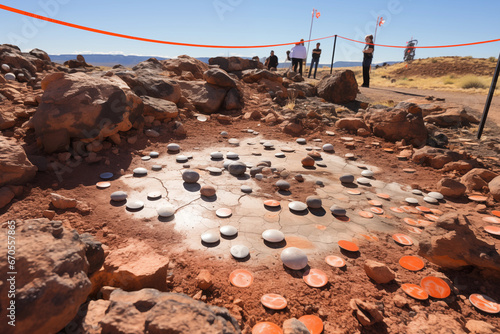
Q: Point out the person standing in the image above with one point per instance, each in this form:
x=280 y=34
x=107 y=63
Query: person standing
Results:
x=367 y=60
x=298 y=54
x=315 y=60
x=272 y=62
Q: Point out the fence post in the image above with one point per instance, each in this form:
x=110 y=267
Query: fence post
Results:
x=488 y=99
x=333 y=54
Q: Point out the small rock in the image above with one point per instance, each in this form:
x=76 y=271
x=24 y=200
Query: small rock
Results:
x=152 y=133
x=451 y=188
x=61 y=202
x=347 y=178
x=379 y=272
x=204 y=280
x=237 y=168
x=299 y=177
x=366 y=313
x=314 y=202
x=480 y=327
x=207 y=190
x=337 y=210
x=190 y=176
x=49 y=214
x=294 y=326
x=307 y=162
x=283 y=185
x=400 y=301
x=328 y=148
x=132 y=140
x=314 y=154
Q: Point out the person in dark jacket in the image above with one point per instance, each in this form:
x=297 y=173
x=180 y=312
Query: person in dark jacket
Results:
x=272 y=61
x=367 y=60
x=315 y=60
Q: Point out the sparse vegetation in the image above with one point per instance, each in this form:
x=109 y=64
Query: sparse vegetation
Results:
x=292 y=97
x=492 y=59
x=470 y=81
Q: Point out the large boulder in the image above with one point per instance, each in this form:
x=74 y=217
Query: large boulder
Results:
x=436 y=157
x=183 y=64
x=478 y=178
x=340 y=87
x=306 y=88
x=451 y=117
x=51 y=281
x=257 y=75
x=234 y=64
x=152 y=311
x=450 y=187
x=149 y=82
x=218 y=77
x=133 y=267
x=395 y=124
x=452 y=244
x=494 y=186
x=205 y=97
x=160 y=109
x=15 y=168
x=84 y=107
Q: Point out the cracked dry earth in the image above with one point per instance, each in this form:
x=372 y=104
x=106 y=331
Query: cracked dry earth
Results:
x=317 y=232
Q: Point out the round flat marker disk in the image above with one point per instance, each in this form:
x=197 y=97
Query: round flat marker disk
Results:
x=241 y=278
x=415 y=291
x=495 y=213
x=410 y=209
x=402 y=239
x=354 y=192
x=266 y=328
x=491 y=220
x=335 y=261
x=375 y=203
x=273 y=301
x=106 y=176
x=412 y=263
x=435 y=287
x=348 y=246
x=313 y=323
x=492 y=230
x=477 y=198
x=272 y=203
x=384 y=196
x=365 y=214
x=484 y=303
x=414 y=229
x=224 y=212
x=103 y=184
x=315 y=278
x=376 y=210
x=396 y=209
x=424 y=209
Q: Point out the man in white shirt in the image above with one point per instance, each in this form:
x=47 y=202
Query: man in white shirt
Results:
x=298 y=54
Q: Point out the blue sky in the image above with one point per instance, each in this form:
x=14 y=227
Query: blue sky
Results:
x=254 y=22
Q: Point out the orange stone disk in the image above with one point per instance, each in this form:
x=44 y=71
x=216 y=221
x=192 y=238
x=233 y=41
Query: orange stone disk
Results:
x=272 y=203
x=103 y=184
x=491 y=220
x=313 y=323
x=397 y=210
x=415 y=291
x=414 y=229
x=410 y=209
x=266 y=328
x=365 y=214
x=241 y=278
x=412 y=263
x=335 y=261
x=435 y=287
x=424 y=209
x=432 y=217
x=315 y=278
x=273 y=301
x=374 y=202
x=495 y=213
x=492 y=230
x=402 y=239
x=384 y=196
x=410 y=221
x=376 y=210
x=484 y=303
x=348 y=245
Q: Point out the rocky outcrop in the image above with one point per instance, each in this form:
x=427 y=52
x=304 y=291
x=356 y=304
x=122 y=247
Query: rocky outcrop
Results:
x=15 y=168
x=160 y=109
x=494 y=186
x=133 y=267
x=235 y=64
x=151 y=83
x=185 y=64
x=452 y=244
x=151 y=311
x=395 y=124
x=340 y=87
x=257 y=75
x=17 y=61
x=51 y=281
x=450 y=187
x=478 y=179
x=205 y=97
x=436 y=157
x=351 y=124
x=452 y=117
x=84 y=107
x=218 y=77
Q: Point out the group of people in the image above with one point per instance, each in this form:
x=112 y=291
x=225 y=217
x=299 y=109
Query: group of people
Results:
x=298 y=55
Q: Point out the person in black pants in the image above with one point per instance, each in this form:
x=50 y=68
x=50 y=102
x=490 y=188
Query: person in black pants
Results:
x=298 y=54
x=315 y=60
x=367 y=60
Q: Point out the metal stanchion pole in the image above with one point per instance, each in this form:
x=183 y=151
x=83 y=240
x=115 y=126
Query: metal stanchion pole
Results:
x=333 y=54
x=488 y=99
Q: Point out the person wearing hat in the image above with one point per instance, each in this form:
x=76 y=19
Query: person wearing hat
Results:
x=298 y=54
x=272 y=62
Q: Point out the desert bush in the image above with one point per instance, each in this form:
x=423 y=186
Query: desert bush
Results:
x=467 y=58
x=449 y=80
x=434 y=60
x=492 y=59
x=470 y=81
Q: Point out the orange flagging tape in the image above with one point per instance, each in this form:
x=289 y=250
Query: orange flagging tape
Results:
x=76 y=26
x=423 y=47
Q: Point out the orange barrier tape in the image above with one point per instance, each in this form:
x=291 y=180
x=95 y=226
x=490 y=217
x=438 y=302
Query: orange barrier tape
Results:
x=423 y=47
x=18 y=11
x=39 y=17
